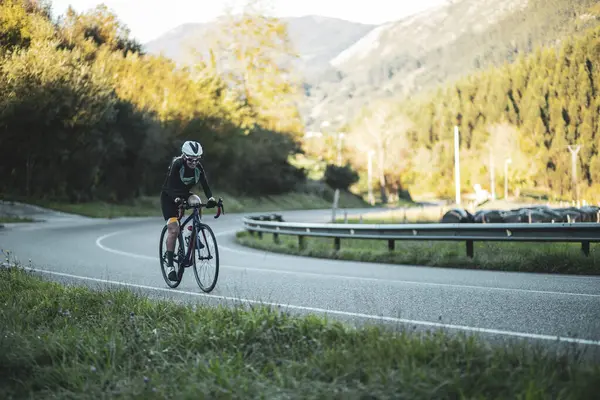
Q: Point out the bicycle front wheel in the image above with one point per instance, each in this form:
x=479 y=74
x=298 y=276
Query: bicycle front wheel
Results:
x=206 y=263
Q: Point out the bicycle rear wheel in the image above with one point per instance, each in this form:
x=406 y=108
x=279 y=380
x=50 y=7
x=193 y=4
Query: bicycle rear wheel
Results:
x=206 y=255
x=179 y=255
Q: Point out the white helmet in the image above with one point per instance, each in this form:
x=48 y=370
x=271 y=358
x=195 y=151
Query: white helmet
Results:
x=191 y=149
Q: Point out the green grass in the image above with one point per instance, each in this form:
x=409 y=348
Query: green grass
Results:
x=71 y=342
x=149 y=206
x=563 y=258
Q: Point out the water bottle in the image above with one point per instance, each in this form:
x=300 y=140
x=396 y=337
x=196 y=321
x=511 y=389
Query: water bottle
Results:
x=187 y=234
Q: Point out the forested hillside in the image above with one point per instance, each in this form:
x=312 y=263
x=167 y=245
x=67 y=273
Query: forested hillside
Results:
x=85 y=115
x=529 y=111
x=421 y=52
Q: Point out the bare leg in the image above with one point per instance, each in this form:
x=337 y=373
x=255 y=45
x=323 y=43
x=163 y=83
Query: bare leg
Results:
x=172 y=231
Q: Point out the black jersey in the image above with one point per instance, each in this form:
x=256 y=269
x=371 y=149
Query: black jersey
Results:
x=181 y=178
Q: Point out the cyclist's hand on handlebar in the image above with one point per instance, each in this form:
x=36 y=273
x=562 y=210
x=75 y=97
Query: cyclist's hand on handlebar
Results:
x=177 y=200
x=211 y=203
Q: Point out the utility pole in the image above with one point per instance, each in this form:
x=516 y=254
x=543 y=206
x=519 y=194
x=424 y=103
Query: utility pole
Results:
x=574 y=149
x=456 y=165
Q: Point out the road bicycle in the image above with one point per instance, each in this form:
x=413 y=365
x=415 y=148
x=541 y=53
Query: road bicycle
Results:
x=191 y=238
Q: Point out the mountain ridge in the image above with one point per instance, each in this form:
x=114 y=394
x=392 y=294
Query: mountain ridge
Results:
x=347 y=64
x=446 y=43
x=306 y=33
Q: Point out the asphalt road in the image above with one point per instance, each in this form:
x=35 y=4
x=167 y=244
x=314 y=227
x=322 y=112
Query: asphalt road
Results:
x=124 y=252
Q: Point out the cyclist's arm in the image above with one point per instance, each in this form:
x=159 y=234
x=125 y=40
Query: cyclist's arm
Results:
x=204 y=184
x=172 y=179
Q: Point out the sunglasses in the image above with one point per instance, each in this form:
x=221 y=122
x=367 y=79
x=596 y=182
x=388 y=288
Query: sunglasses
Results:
x=192 y=160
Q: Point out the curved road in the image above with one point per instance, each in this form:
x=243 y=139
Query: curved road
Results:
x=500 y=305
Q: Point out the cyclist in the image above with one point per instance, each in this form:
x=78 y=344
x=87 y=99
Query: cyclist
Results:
x=184 y=172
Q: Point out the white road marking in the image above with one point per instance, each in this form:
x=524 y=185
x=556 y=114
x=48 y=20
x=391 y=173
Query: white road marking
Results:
x=134 y=255
x=334 y=276
x=336 y=312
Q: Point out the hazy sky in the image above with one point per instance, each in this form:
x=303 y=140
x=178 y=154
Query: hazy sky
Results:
x=148 y=19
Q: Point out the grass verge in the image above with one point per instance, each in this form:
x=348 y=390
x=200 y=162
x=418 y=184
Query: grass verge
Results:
x=72 y=342
x=149 y=206
x=563 y=258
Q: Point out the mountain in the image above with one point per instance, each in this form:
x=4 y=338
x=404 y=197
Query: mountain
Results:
x=438 y=45
x=346 y=65
x=319 y=39
x=316 y=39
x=422 y=32
x=174 y=43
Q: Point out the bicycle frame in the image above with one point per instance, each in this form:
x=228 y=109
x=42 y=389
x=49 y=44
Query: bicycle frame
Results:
x=197 y=225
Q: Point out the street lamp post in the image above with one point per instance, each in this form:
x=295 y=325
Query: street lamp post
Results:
x=456 y=165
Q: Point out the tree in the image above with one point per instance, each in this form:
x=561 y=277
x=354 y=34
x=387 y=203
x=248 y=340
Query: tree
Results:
x=82 y=116
x=385 y=130
x=57 y=113
x=340 y=177
x=96 y=28
x=22 y=23
x=253 y=53
x=505 y=142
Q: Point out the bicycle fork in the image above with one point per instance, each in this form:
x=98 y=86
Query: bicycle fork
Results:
x=192 y=242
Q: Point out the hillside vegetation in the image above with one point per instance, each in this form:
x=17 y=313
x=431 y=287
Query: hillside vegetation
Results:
x=420 y=52
x=86 y=115
x=529 y=111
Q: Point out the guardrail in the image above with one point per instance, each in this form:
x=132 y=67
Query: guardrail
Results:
x=581 y=232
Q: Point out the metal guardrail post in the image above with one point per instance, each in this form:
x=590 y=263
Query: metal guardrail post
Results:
x=391 y=244
x=337 y=243
x=470 y=249
x=585 y=248
x=301 y=244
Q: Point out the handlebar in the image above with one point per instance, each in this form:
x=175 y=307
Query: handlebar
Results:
x=220 y=208
x=184 y=204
